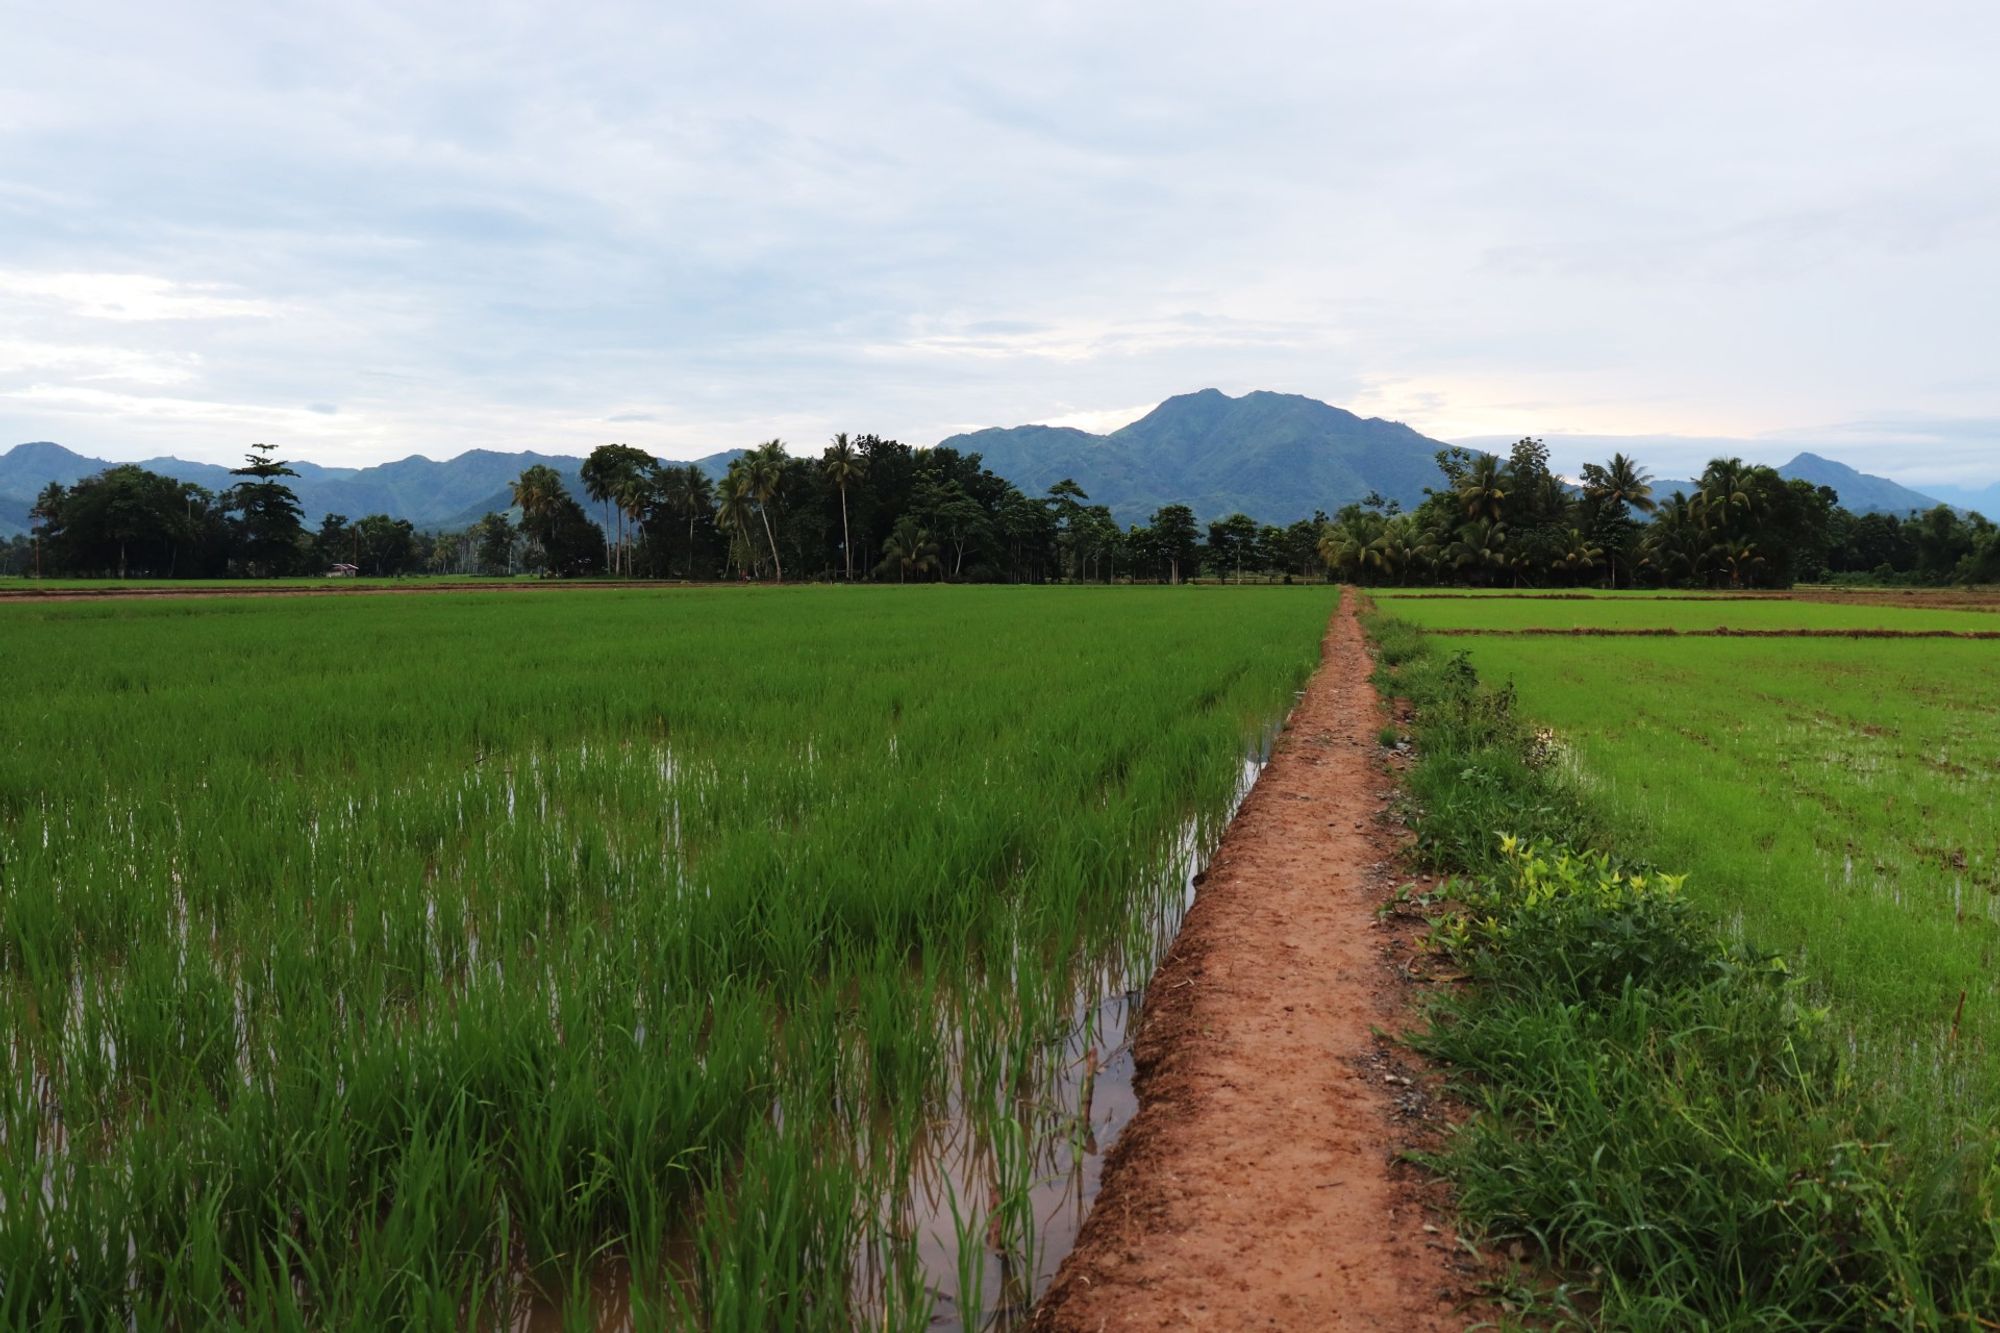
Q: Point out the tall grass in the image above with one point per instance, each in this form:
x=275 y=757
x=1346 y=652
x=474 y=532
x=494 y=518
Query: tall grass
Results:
x=1660 y=1115
x=373 y=961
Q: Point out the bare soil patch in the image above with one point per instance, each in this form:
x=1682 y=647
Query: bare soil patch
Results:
x=1261 y=1184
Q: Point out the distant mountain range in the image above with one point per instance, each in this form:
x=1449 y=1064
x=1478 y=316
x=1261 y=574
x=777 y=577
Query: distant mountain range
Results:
x=1279 y=456
x=441 y=496
x=1985 y=502
x=1858 y=491
x=1275 y=456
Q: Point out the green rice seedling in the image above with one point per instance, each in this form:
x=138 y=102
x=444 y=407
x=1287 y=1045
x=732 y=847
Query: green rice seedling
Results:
x=418 y=957
x=1660 y=1109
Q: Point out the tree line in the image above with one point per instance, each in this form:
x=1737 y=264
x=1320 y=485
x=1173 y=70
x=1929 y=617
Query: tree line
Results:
x=1510 y=521
x=873 y=508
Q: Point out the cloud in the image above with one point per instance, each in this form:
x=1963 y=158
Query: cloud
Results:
x=1100 y=421
x=530 y=227
x=128 y=296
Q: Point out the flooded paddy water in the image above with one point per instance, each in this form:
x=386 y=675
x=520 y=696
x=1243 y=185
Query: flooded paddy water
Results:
x=729 y=963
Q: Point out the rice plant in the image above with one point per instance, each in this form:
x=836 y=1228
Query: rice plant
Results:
x=450 y=962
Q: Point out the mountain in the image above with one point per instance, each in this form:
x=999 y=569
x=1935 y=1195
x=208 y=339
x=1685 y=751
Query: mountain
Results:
x=1985 y=502
x=1858 y=491
x=1275 y=456
x=444 y=496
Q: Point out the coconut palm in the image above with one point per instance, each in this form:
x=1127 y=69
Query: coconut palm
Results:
x=536 y=491
x=735 y=514
x=1739 y=561
x=1671 y=545
x=909 y=549
x=599 y=475
x=687 y=489
x=843 y=463
x=45 y=513
x=1725 y=492
x=1482 y=491
x=1480 y=547
x=1579 y=555
x=1619 y=483
x=631 y=493
x=765 y=466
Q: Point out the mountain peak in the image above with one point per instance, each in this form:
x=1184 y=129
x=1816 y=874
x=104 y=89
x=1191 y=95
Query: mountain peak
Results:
x=1275 y=456
x=1858 y=491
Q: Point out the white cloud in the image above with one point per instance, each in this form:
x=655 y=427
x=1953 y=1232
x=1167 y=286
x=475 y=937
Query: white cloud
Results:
x=85 y=363
x=128 y=296
x=478 y=227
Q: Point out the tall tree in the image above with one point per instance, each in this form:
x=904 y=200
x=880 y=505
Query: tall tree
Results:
x=1619 y=487
x=766 y=471
x=1177 y=539
x=737 y=510
x=844 y=465
x=1482 y=489
x=690 y=495
x=269 y=533
x=909 y=549
x=46 y=514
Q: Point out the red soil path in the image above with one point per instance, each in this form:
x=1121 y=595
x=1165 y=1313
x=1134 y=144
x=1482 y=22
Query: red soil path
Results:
x=1259 y=1187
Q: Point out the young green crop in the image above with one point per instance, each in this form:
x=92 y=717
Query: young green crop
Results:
x=1834 y=798
x=390 y=960
x=1680 y=612
x=1655 y=1112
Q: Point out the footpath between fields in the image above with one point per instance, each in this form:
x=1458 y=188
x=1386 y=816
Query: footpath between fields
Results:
x=1264 y=1181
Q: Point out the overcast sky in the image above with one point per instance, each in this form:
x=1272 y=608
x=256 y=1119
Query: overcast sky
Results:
x=359 y=231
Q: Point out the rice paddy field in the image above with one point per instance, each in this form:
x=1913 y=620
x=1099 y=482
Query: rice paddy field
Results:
x=1682 y=613
x=725 y=959
x=1831 y=798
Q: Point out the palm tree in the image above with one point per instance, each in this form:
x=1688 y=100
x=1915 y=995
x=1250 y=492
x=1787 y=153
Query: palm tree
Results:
x=689 y=490
x=1482 y=491
x=733 y=515
x=1725 y=492
x=537 y=491
x=46 y=510
x=1479 y=546
x=1621 y=483
x=1579 y=554
x=1668 y=548
x=630 y=493
x=766 y=470
x=909 y=549
x=1739 y=560
x=843 y=463
x=599 y=474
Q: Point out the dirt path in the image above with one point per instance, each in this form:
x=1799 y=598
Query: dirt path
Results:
x=1258 y=1187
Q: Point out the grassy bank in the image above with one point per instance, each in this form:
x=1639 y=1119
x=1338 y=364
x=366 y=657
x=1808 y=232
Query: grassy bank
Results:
x=1661 y=1114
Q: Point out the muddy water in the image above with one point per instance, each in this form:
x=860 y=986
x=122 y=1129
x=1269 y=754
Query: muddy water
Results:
x=1077 y=1116
x=979 y=1275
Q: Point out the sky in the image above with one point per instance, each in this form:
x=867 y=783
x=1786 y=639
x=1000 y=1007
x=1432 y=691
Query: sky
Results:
x=358 y=231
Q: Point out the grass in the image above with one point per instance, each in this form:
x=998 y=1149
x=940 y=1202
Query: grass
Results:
x=1681 y=613
x=1692 y=1122
x=417 y=962
x=1835 y=798
x=18 y=584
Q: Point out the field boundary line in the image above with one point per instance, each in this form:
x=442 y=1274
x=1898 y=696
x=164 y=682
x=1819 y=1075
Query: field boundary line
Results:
x=1259 y=1185
x=1720 y=632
